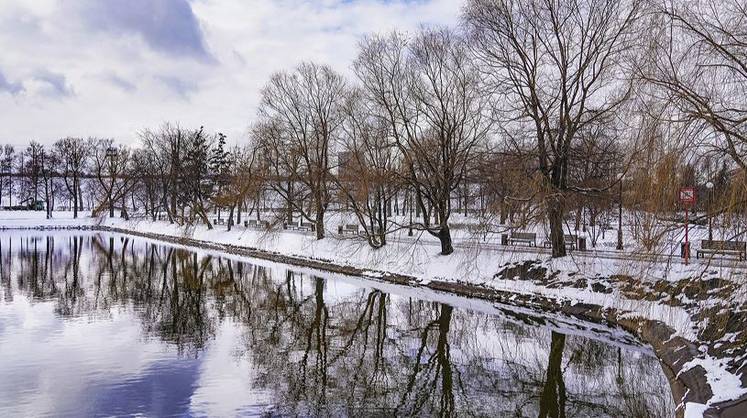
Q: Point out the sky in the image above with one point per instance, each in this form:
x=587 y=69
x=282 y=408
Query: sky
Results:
x=111 y=68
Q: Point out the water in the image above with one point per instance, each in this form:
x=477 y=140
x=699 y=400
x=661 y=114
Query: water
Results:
x=98 y=325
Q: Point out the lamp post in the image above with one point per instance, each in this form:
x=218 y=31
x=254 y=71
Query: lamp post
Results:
x=111 y=153
x=409 y=204
x=620 y=212
x=709 y=186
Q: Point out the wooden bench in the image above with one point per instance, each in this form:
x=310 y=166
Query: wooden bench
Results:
x=306 y=226
x=570 y=241
x=737 y=248
x=351 y=229
x=302 y=226
x=255 y=224
x=523 y=237
x=219 y=221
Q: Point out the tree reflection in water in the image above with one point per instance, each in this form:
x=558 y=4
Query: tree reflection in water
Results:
x=552 y=403
x=330 y=348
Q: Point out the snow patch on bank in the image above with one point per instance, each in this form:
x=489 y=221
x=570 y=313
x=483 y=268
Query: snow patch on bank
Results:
x=724 y=385
x=675 y=317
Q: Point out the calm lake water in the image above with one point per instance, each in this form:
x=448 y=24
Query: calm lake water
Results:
x=95 y=324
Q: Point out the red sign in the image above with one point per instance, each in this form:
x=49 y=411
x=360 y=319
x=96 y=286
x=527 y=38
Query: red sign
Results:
x=687 y=196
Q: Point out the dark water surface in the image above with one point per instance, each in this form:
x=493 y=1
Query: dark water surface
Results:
x=95 y=324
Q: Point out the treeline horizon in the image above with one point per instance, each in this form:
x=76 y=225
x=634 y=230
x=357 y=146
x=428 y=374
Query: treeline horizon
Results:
x=540 y=110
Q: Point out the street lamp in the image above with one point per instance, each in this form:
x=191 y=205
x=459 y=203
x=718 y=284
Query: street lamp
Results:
x=620 y=177
x=409 y=204
x=111 y=153
x=709 y=186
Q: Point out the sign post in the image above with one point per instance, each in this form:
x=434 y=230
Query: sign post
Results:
x=688 y=199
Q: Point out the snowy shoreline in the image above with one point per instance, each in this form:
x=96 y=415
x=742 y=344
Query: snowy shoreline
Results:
x=700 y=383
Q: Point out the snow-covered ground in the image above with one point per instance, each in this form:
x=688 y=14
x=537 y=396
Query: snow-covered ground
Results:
x=478 y=259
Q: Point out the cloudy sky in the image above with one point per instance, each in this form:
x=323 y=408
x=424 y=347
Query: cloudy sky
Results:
x=110 y=68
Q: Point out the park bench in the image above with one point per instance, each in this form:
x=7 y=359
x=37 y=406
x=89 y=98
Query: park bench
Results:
x=256 y=224
x=306 y=226
x=737 y=248
x=219 y=221
x=302 y=226
x=569 y=239
x=351 y=229
x=523 y=237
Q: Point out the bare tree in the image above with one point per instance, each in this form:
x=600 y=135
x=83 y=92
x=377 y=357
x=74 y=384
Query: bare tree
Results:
x=244 y=181
x=428 y=92
x=49 y=163
x=149 y=181
x=303 y=110
x=165 y=148
x=30 y=166
x=594 y=165
x=6 y=172
x=554 y=67
x=278 y=162
x=367 y=169
x=111 y=170
x=72 y=155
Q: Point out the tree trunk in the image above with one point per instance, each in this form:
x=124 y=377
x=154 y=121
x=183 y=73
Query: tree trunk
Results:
x=289 y=209
x=123 y=212
x=80 y=196
x=583 y=219
x=205 y=219
x=111 y=202
x=555 y=218
x=444 y=235
x=319 y=221
x=230 y=217
x=47 y=200
x=172 y=212
x=75 y=197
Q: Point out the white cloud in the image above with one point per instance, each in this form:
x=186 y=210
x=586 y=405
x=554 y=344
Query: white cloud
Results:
x=115 y=78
